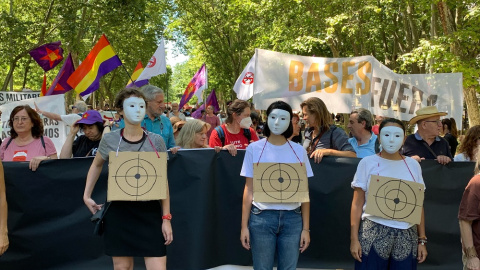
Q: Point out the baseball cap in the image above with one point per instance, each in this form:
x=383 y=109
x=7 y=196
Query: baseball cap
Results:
x=90 y=117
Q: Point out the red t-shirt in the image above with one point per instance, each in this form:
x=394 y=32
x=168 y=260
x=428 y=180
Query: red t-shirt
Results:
x=470 y=209
x=239 y=140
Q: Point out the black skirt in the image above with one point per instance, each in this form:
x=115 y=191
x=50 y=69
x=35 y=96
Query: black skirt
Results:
x=134 y=229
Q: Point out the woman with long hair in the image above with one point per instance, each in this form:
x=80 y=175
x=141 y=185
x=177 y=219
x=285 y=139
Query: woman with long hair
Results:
x=26 y=141
x=193 y=135
x=321 y=137
x=236 y=132
x=469 y=147
x=269 y=228
x=450 y=133
x=132 y=228
x=377 y=242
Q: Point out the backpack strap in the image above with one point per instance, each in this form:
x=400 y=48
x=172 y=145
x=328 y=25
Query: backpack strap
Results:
x=41 y=138
x=8 y=143
x=247 y=134
x=221 y=134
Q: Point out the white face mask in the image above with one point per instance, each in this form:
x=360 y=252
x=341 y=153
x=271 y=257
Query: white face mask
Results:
x=246 y=122
x=134 y=109
x=391 y=138
x=278 y=121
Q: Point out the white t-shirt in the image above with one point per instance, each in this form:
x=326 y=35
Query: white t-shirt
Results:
x=180 y=115
x=70 y=119
x=274 y=153
x=397 y=169
x=461 y=157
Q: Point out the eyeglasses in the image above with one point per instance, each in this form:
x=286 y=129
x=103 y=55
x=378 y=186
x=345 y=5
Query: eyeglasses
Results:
x=20 y=119
x=439 y=122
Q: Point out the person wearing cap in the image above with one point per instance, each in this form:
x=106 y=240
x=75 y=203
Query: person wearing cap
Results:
x=85 y=145
x=177 y=126
x=426 y=142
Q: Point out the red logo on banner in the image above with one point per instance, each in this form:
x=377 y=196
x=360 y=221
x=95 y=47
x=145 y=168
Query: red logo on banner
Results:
x=248 y=79
x=152 y=62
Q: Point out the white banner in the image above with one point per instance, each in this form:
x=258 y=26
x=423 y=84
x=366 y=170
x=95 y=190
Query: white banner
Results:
x=7 y=97
x=53 y=129
x=345 y=84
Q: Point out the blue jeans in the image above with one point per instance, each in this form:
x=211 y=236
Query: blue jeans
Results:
x=275 y=230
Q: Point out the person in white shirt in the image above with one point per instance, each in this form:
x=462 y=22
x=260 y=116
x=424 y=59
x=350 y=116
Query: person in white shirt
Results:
x=377 y=242
x=269 y=228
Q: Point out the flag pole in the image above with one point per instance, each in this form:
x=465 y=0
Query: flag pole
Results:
x=166 y=84
x=128 y=74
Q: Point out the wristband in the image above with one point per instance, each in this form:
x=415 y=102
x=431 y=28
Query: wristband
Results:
x=306 y=230
x=167 y=217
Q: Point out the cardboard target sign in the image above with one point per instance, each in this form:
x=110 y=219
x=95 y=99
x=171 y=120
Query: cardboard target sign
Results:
x=395 y=199
x=280 y=183
x=137 y=176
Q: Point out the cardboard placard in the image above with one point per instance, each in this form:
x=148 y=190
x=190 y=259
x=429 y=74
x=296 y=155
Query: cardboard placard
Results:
x=137 y=176
x=395 y=199
x=280 y=183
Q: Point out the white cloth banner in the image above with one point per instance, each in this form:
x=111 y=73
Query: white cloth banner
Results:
x=244 y=84
x=8 y=96
x=53 y=129
x=156 y=65
x=345 y=84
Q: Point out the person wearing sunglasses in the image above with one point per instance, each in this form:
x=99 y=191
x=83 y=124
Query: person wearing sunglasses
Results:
x=426 y=142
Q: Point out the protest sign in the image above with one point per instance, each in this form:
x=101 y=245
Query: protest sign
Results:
x=356 y=82
x=53 y=129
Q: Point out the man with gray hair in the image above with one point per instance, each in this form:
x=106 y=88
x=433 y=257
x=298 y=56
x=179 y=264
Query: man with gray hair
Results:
x=360 y=125
x=154 y=120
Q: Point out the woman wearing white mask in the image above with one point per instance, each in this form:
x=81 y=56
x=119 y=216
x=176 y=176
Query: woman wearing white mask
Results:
x=236 y=133
x=270 y=228
x=132 y=228
x=376 y=242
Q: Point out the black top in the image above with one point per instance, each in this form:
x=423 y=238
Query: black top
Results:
x=83 y=147
x=415 y=145
x=452 y=141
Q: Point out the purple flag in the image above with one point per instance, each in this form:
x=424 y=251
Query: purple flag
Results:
x=211 y=100
x=60 y=85
x=48 y=55
x=196 y=86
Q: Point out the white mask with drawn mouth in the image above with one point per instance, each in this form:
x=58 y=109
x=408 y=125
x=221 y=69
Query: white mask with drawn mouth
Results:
x=391 y=138
x=278 y=121
x=134 y=109
x=246 y=122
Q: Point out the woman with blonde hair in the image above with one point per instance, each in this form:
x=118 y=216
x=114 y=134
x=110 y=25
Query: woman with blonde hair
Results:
x=469 y=147
x=193 y=135
x=321 y=137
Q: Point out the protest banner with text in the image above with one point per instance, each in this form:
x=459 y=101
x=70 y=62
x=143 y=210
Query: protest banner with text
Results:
x=356 y=82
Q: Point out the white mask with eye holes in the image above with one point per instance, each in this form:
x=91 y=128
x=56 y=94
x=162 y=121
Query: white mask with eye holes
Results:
x=391 y=138
x=278 y=121
x=134 y=109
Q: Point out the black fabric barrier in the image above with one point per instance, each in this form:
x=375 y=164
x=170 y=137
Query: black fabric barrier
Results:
x=49 y=225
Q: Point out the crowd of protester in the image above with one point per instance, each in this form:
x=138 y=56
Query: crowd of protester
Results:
x=309 y=133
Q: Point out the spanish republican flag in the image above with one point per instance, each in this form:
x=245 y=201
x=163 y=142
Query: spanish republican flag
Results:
x=136 y=73
x=101 y=60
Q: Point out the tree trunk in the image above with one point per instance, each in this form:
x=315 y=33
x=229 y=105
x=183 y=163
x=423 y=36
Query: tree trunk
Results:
x=471 y=100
